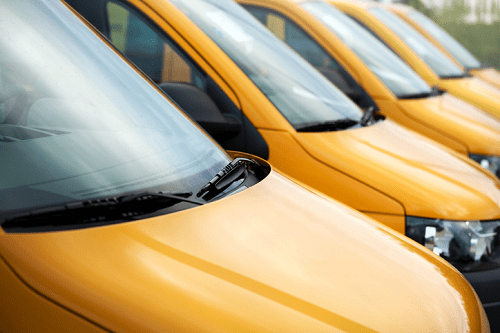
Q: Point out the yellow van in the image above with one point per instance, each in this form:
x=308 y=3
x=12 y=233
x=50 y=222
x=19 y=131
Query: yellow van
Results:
x=373 y=76
x=446 y=43
x=275 y=105
x=425 y=59
x=102 y=230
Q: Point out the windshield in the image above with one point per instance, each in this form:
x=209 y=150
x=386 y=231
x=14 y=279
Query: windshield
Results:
x=431 y=55
x=457 y=50
x=388 y=67
x=77 y=122
x=297 y=90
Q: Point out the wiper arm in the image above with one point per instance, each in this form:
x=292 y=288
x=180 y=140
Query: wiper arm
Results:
x=368 y=116
x=326 y=126
x=161 y=198
x=237 y=169
x=455 y=76
x=468 y=70
x=435 y=91
x=416 y=96
x=87 y=213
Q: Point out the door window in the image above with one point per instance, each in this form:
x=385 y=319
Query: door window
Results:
x=295 y=37
x=149 y=50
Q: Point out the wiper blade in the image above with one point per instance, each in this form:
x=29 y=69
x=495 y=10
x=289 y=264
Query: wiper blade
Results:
x=368 y=116
x=457 y=76
x=94 y=212
x=416 y=96
x=435 y=91
x=468 y=70
x=237 y=169
x=326 y=126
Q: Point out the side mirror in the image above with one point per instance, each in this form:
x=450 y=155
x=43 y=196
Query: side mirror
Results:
x=198 y=104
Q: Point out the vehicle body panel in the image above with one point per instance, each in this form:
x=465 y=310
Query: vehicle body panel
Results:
x=472 y=90
x=446 y=119
x=490 y=75
x=231 y=268
x=354 y=152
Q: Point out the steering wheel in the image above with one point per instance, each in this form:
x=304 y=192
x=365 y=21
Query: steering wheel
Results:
x=17 y=109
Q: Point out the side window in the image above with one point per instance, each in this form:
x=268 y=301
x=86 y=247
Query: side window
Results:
x=289 y=32
x=159 y=57
x=148 y=49
x=294 y=36
x=277 y=25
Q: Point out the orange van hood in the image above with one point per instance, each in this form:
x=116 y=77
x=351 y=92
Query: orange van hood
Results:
x=428 y=173
x=489 y=75
x=461 y=119
x=224 y=267
x=475 y=91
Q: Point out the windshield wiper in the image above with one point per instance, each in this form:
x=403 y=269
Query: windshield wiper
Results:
x=435 y=91
x=80 y=214
x=237 y=169
x=326 y=126
x=416 y=96
x=455 y=76
x=368 y=116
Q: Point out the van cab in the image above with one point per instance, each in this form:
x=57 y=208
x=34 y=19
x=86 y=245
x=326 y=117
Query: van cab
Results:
x=111 y=219
x=446 y=43
x=425 y=59
x=277 y=106
x=373 y=76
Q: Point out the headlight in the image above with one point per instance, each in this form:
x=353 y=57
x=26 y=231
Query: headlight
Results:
x=469 y=246
x=491 y=163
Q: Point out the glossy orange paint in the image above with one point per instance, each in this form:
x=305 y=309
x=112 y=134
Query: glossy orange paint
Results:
x=490 y=75
x=227 y=268
x=271 y=257
x=445 y=118
x=470 y=89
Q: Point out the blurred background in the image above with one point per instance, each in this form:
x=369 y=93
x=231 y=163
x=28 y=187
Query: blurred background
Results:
x=474 y=23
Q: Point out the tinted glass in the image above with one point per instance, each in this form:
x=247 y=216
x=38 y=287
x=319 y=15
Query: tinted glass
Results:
x=146 y=47
x=382 y=61
x=77 y=122
x=457 y=50
x=431 y=55
x=299 y=92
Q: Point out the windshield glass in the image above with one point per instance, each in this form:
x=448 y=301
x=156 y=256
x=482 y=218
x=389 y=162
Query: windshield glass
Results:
x=77 y=122
x=431 y=55
x=457 y=50
x=297 y=90
x=388 y=67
